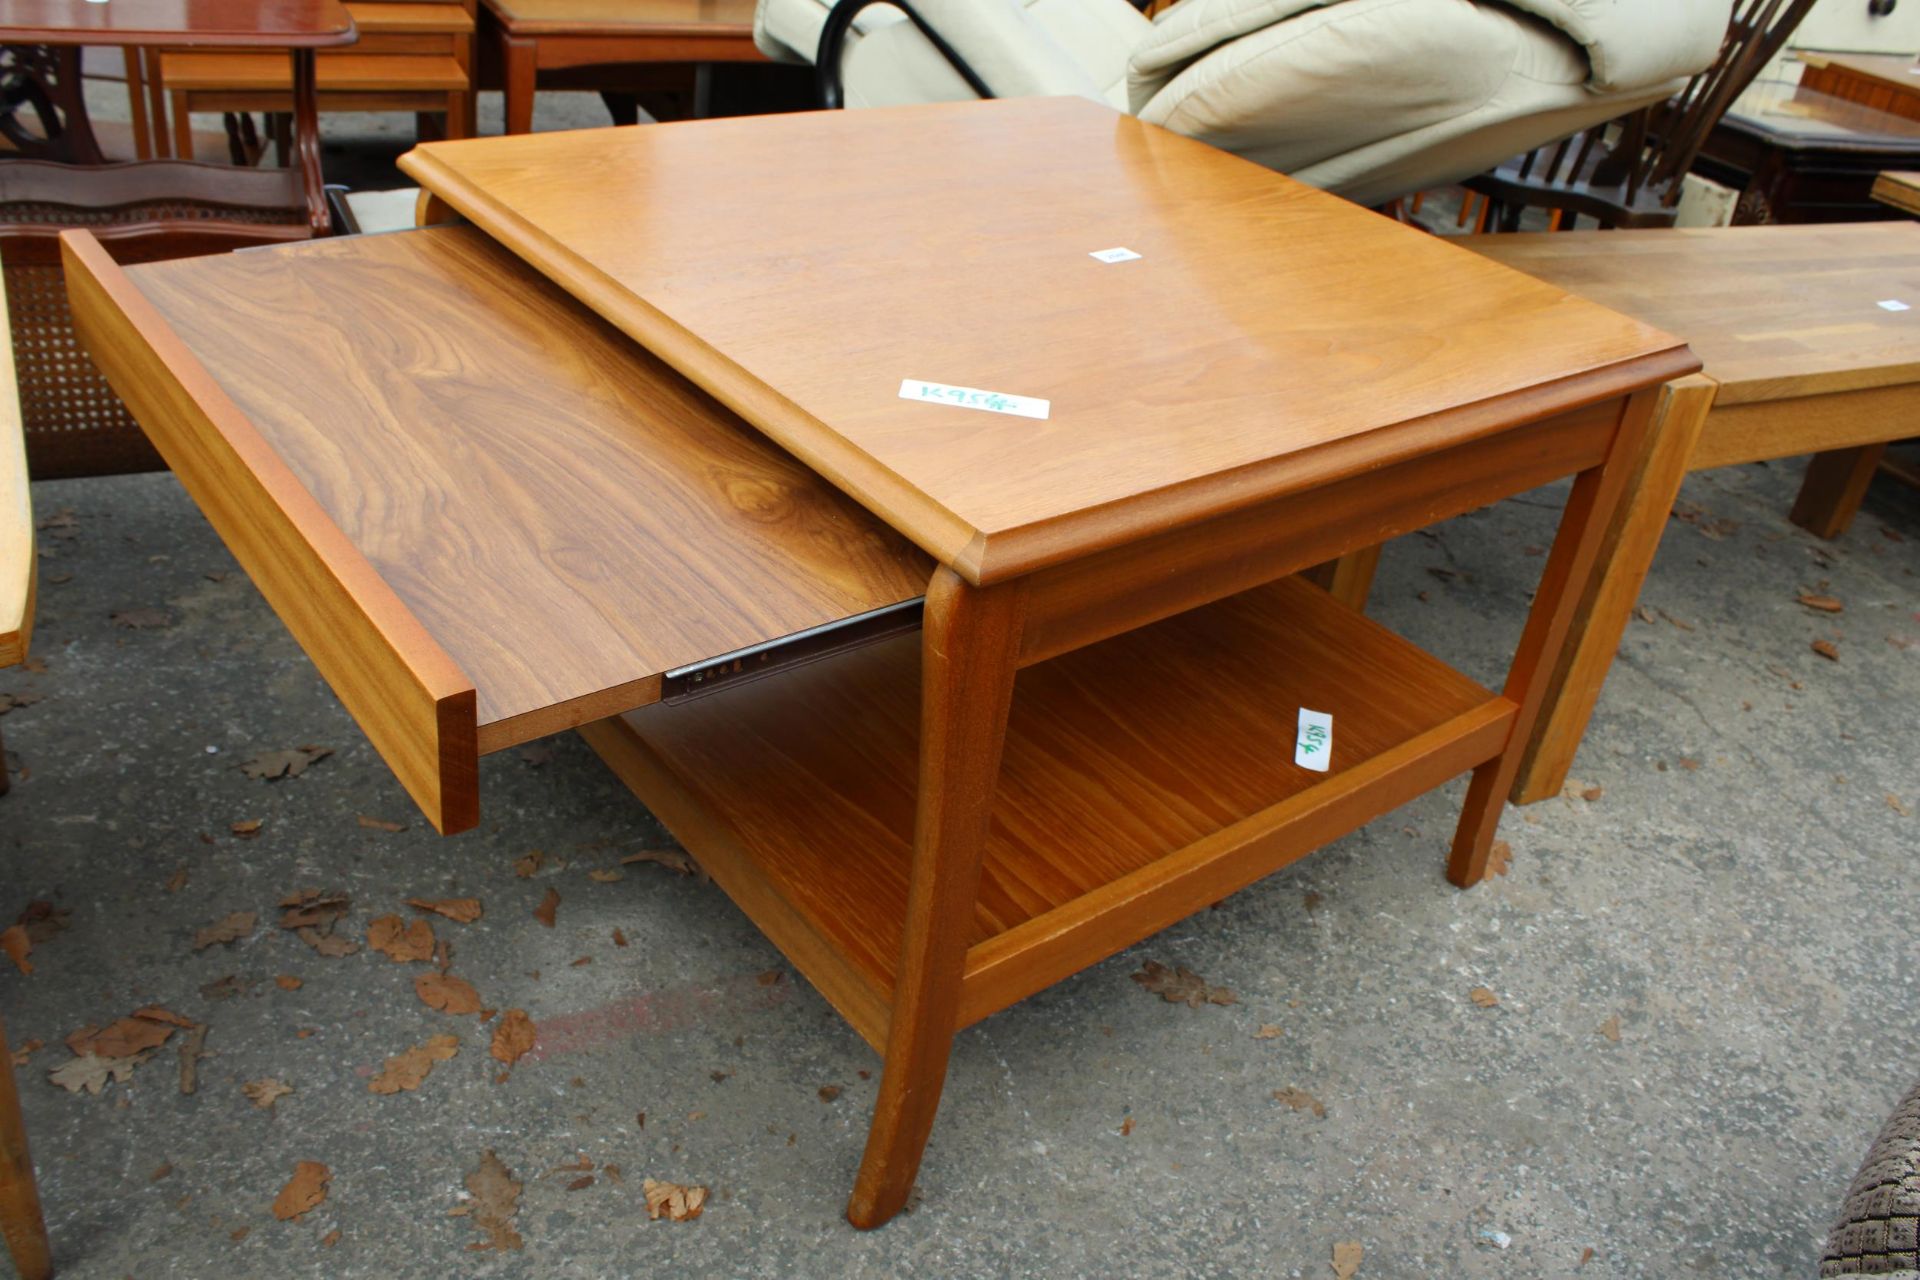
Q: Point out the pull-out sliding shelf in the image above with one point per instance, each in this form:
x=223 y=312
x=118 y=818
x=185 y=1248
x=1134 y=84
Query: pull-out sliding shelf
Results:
x=484 y=513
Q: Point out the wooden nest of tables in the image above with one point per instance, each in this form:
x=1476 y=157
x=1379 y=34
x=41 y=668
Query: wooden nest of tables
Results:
x=952 y=702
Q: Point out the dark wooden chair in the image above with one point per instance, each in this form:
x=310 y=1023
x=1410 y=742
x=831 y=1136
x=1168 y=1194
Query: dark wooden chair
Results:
x=1627 y=173
x=142 y=211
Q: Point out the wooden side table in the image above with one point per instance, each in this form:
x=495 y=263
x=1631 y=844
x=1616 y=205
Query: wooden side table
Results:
x=1811 y=343
x=1796 y=154
x=953 y=692
x=556 y=35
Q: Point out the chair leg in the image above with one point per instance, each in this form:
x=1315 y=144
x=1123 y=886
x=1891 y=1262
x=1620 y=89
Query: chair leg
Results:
x=1597 y=492
x=1834 y=487
x=21 y=1220
x=970 y=646
x=1606 y=604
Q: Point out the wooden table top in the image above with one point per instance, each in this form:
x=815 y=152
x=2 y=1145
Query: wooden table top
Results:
x=275 y=24
x=1269 y=338
x=563 y=514
x=624 y=17
x=1796 y=118
x=1773 y=312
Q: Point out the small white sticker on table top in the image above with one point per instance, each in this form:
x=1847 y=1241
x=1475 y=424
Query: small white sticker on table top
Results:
x=974 y=398
x=1313 y=748
x=1114 y=255
x=1893 y=304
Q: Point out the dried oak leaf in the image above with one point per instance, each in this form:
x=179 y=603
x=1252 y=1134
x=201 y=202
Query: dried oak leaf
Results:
x=1610 y=1028
x=1483 y=997
x=549 y=905
x=266 y=1092
x=1269 y=1031
x=176 y=882
x=674 y=860
x=26 y=1051
x=1822 y=604
x=526 y=866
x=459 y=910
x=90 y=1072
x=304 y=1190
x=226 y=930
x=446 y=993
x=401 y=941
x=405 y=1071
x=42 y=921
x=14 y=941
x=290 y=763
x=328 y=944
x=287 y=982
x=192 y=1048
x=580 y=1183
x=514 y=1036
x=1181 y=986
x=14 y=701
x=142 y=619
x=1499 y=858
x=246 y=829
x=670 y=1199
x=379 y=824
x=1301 y=1100
x=1346 y=1259
x=1592 y=794
x=310 y=908
x=1827 y=649
x=136 y=1033
x=495 y=1199
x=1899 y=806
x=606 y=875
x=620 y=939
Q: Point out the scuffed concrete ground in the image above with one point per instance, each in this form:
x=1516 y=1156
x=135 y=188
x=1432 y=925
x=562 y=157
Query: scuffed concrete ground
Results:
x=1747 y=923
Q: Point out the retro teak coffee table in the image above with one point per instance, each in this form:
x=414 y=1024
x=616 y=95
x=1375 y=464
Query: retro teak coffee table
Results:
x=953 y=700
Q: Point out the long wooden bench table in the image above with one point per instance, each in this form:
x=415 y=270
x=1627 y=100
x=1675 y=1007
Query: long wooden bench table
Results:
x=955 y=689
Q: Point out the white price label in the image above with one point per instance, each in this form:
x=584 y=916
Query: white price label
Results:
x=1114 y=255
x=1313 y=747
x=974 y=398
x=1893 y=304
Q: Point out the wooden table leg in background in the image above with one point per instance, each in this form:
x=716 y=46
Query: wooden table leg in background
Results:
x=1598 y=496
x=1835 y=484
x=520 y=62
x=1350 y=578
x=969 y=647
x=1606 y=603
x=21 y=1221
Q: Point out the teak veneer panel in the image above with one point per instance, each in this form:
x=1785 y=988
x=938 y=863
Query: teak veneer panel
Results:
x=563 y=516
x=1772 y=312
x=623 y=17
x=798 y=793
x=1268 y=338
x=345 y=72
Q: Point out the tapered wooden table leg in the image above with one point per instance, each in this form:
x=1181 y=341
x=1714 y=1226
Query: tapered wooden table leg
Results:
x=1350 y=578
x=1591 y=508
x=969 y=647
x=518 y=58
x=1606 y=605
x=20 y=1218
x=1835 y=484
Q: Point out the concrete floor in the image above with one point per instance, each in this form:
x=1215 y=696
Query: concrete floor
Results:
x=1747 y=922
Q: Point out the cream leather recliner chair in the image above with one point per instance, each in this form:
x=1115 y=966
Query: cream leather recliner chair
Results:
x=1371 y=99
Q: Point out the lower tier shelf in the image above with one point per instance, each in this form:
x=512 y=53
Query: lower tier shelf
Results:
x=1144 y=778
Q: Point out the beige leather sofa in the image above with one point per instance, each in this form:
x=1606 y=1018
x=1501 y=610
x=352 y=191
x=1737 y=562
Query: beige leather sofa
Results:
x=1372 y=99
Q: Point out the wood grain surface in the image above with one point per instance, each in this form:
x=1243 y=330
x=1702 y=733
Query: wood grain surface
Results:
x=1116 y=756
x=574 y=17
x=1772 y=312
x=1269 y=336
x=18 y=563
x=272 y=24
x=411 y=700
x=565 y=515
